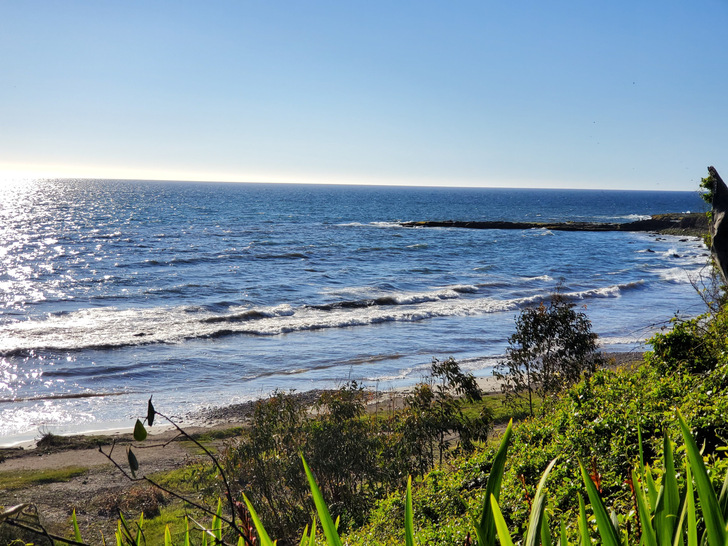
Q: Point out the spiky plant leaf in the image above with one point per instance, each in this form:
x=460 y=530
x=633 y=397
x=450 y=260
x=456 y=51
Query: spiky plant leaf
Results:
x=668 y=503
x=217 y=521
x=714 y=521
x=262 y=534
x=76 y=530
x=535 y=520
x=648 y=533
x=500 y=524
x=652 y=492
x=583 y=523
x=546 y=530
x=485 y=528
x=312 y=538
x=304 y=537
x=690 y=501
x=607 y=532
x=409 y=528
x=140 y=526
x=679 y=533
x=332 y=535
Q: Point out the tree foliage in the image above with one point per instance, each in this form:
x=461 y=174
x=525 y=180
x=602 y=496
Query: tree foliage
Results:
x=359 y=455
x=707 y=187
x=552 y=347
x=435 y=418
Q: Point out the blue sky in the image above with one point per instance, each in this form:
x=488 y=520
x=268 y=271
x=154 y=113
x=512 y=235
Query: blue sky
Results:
x=586 y=94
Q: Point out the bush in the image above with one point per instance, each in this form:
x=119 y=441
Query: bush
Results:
x=359 y=457
x=552 y=348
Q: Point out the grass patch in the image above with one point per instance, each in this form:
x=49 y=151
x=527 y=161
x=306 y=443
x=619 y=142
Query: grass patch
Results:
x=195 y=478
x=501 y=412
x=174 y=516
x=50 y=443
x=218 y=434
x=10 y=481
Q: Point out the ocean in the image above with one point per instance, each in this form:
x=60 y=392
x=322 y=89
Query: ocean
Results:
x=206 y=294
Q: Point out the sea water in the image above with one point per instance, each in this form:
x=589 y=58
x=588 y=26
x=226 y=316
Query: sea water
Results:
x=205 y=294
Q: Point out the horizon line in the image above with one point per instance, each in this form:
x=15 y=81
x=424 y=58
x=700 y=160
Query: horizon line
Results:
x=21 y=178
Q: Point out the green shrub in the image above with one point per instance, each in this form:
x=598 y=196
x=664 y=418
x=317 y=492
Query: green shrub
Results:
x=552 y=348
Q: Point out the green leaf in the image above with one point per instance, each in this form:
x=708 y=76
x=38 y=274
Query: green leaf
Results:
x=678 y=535
x=304 y=537
x=140 y=433
x=500 y=524
x=133 y=463
x=642 y=454
x=332 y=535
x=76 y=530
x=485 y=529
x=140 y=526
x=150 y=412
x=564 y=541
x=187 y=532
x=535 y=521
x=409 y=528
x=714 y=522
x=546 y=530
x=651 y=487
x=262 y=534
x=217 y=521
x=690 y=501
x=648 y=533
x=583 y=523
x=312 y=539
x=167 y=536
x=668 y=503
x=723 y=498
x=607 y=532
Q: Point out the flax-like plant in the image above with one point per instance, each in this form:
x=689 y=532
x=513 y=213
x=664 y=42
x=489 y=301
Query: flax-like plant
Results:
x=485 y=527
x=665 y=518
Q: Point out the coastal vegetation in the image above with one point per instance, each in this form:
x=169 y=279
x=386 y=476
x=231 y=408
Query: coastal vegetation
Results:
x=614 y=426
x=615 y=455
x=553 y=347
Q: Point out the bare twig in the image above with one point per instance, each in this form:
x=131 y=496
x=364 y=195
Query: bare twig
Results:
x=232 y=521
x=40 y=530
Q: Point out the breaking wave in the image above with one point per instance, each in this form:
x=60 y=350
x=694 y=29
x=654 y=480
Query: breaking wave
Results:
x=108 y=328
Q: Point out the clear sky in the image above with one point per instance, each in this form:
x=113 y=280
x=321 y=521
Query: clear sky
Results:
x=522 y=93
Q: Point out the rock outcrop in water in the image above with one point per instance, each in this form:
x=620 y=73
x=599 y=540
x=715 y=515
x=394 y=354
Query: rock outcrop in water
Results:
x=673 y=224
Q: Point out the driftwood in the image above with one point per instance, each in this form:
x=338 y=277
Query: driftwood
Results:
x=719 y=225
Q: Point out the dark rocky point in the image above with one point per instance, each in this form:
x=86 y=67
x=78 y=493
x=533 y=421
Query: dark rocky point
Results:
x=695 y=224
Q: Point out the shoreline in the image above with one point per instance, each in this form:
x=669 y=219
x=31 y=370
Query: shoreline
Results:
x=91 y=476
x=238 y=414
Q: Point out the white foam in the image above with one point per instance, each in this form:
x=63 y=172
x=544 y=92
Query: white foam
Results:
x=675 y=275
x=544 y=278
x=110 y=327
x=606 y=341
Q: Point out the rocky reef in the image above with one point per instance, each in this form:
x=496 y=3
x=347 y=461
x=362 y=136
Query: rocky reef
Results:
x=695 y=224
